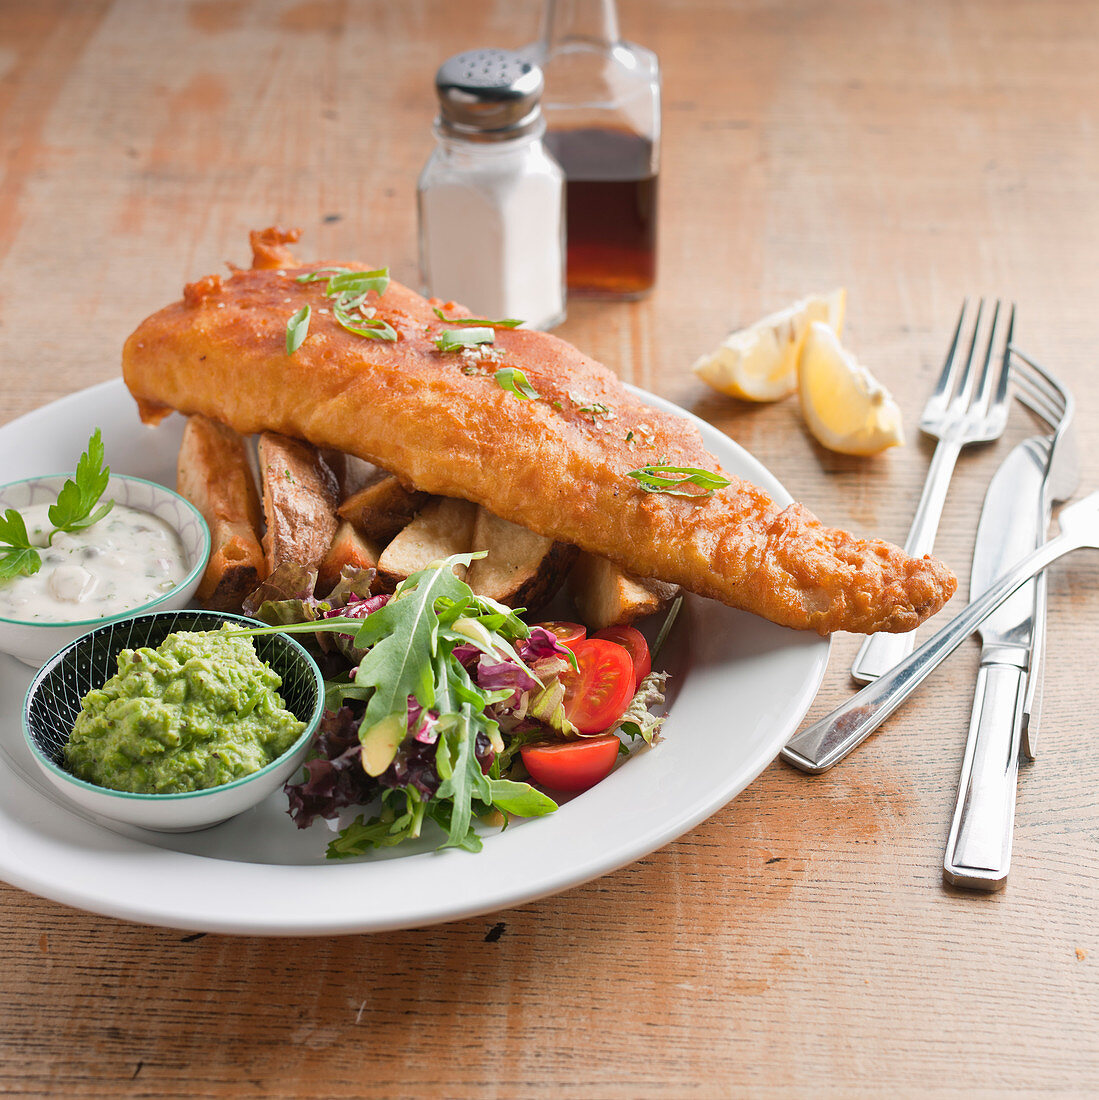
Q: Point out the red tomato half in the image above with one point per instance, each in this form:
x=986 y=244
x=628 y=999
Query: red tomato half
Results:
x=600 y=689
x=633 y=642
x=566 y=633
x=571 y=765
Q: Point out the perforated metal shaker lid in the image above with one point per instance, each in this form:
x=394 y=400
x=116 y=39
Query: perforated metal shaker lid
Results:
x=488 y=95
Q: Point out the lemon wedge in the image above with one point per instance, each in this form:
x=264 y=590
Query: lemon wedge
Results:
x=845 y=407
x=760 y=363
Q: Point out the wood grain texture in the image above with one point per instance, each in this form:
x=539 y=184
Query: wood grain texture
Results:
x=800 y=941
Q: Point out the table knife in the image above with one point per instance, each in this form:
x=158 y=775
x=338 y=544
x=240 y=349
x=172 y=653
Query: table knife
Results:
x=978 y=852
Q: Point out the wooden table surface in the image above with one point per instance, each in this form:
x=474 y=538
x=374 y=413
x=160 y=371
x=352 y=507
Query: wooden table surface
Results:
x=801 y=940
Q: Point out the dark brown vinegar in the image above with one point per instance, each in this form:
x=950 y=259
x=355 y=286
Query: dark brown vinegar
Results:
x=610 y=198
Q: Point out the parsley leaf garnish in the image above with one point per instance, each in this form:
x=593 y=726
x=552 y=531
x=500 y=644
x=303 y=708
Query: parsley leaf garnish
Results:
x=659 y=477
x=73 y=510
x=18 y=558
x=515 y=381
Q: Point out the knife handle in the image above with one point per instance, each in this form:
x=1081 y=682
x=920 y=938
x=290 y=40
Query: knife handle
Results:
x=1032 y=705
x=978 y=852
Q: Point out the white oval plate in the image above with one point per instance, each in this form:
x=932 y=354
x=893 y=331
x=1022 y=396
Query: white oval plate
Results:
x=740 y=688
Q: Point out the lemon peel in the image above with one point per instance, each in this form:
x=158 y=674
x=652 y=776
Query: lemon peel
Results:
x=845 y=407
x=760 y=362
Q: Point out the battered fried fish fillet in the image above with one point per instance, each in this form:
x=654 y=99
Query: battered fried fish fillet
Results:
x=557 y=464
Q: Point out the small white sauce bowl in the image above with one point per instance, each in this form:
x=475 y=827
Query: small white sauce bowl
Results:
x=54 y=698
x=32 y=642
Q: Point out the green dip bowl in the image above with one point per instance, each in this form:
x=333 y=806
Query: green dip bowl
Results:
x=54 y=698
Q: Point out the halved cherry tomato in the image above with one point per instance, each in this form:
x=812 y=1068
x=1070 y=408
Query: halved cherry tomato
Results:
x=600 y=688
x=633 y=642
x=566 y=633
x=571 y=765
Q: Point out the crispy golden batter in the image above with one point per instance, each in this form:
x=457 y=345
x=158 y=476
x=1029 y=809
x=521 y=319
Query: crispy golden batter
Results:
x=558 y=465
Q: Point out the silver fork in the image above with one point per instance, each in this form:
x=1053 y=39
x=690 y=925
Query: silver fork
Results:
x=1044 y=394
x=957 y=415
x=827 y=741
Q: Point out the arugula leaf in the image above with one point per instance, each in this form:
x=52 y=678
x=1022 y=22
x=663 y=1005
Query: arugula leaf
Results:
x=442 y=813
x=520 y=799
x=18 y=558
x=456 y=340
x=73 y=510
x=402 y=638
x=384 y=831
x=515 y=381
x=410 y=646
x=297 y=329
x=463 y=778
x=507 y=322
x=661 y=478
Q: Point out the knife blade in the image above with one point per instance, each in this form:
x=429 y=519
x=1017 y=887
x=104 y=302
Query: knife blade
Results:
x=978 y=853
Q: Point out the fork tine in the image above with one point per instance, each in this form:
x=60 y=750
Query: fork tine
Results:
x=999 y=398
x=1037 y=400
x=1039 y=390
x=1040 y=377
x=946 y=382
x=985 y=385
x=965 y=383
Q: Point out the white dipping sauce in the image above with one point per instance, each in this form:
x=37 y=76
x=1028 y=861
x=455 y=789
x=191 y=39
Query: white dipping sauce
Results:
x=125 y=560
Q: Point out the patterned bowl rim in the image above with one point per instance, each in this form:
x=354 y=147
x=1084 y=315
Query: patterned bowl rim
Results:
x=310 y=726
x=151 y=605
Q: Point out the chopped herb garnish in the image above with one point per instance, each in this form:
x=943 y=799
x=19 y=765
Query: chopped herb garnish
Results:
x=661 y=478
x=666 y=626
x=515 y=381
x=349 y=289
x=343 y=279
x=629 y=436
x=507 y=322
x=297 y=329
x=358 y=282
x=594 y=409
x=374 y=329
x=456 y=339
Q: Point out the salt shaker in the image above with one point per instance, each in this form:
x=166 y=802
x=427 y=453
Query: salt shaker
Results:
x=602 y=107
x=491 y=199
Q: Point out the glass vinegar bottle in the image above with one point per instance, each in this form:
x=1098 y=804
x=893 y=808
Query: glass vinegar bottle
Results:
x=602 y=110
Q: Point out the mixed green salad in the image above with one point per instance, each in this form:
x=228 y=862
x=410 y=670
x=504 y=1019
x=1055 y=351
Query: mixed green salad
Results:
x=442 y=704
